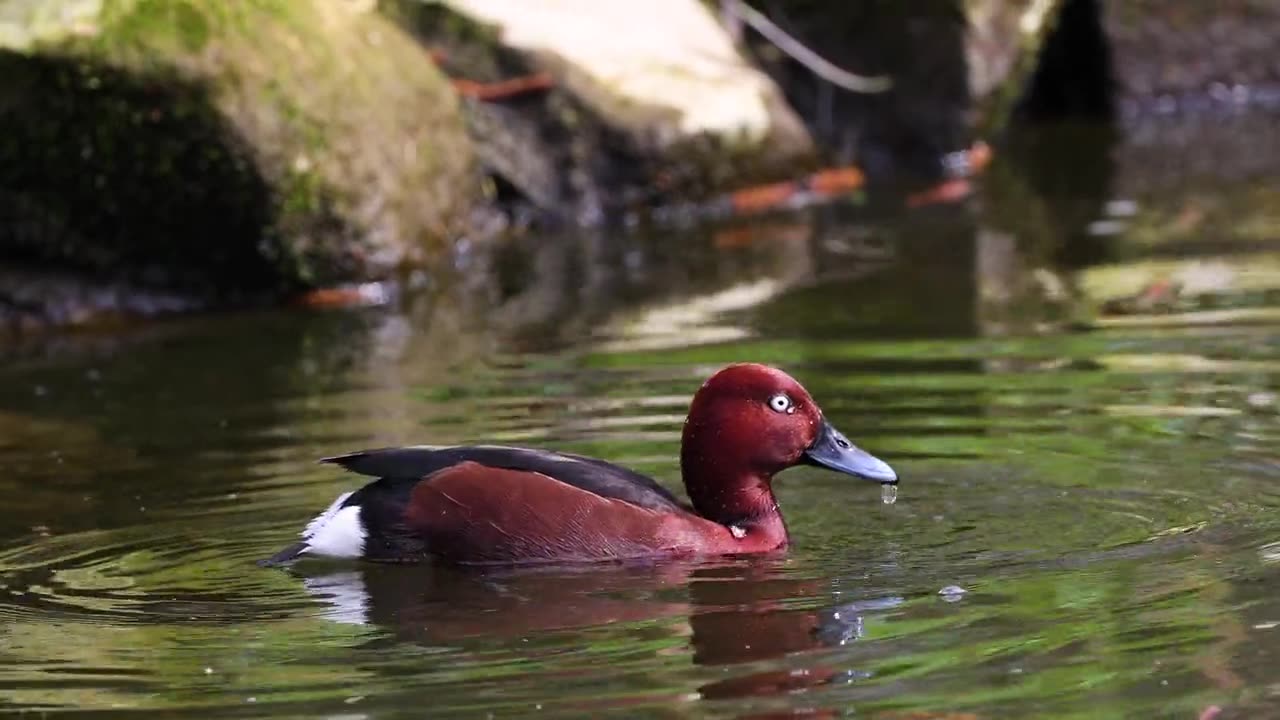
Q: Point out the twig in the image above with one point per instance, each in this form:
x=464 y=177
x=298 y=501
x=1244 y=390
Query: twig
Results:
x=803 y=55
x=503 y=89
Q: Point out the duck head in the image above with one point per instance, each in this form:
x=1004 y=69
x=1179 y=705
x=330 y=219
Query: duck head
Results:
x=749 y=422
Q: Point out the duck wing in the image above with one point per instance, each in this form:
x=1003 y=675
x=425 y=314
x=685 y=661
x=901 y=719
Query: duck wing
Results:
x=590 y=474
x=476 y=514
x=487 y=504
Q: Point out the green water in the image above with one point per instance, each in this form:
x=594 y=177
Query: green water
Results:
x=1099 y=474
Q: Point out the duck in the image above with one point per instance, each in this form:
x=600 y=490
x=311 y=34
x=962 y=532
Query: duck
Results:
x=500 y=505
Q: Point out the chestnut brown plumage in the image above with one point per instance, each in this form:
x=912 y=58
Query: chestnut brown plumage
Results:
x=492 y=504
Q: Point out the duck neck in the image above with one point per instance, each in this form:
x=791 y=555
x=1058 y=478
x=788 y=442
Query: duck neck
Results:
x=726 y=492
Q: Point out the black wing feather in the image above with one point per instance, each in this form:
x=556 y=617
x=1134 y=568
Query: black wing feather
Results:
x=590 y=474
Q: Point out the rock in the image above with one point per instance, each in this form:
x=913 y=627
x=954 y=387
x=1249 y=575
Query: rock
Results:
x=663 y=73
x=33 y=300
x=1185 y=56
x=900 y=135
x=228 y=149
x=25 y=23
x=1002 y=44
x=1138 y=60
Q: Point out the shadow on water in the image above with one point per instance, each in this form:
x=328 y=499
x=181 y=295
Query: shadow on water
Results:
x=1085 y=431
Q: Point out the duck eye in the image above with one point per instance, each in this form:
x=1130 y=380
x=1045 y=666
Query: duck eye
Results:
x=781 y=403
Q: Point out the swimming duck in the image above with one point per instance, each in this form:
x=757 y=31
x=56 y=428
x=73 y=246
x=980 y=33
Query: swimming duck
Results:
x=488 y=504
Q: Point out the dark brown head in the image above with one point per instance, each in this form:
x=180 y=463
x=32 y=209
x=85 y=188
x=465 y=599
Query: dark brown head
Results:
x=747 y=423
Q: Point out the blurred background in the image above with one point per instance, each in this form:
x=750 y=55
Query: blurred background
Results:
x=1027 y=251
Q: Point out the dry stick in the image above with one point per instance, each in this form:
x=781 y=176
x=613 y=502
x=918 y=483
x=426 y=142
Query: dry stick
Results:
x=803 y=55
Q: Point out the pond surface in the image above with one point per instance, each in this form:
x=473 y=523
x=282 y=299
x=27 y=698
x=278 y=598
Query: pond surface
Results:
x=1079 y=393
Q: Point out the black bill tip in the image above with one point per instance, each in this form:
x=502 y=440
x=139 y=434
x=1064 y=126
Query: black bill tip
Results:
x=833 y=450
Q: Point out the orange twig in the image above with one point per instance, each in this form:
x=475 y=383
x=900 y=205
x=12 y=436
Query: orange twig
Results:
x=762 y=197
x=976 y=159
x=979 y=157
x=836 y=181
x=503 y=89
x=947 y=191
x=371 y=293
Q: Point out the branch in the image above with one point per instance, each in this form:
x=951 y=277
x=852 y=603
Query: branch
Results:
x=803 y=55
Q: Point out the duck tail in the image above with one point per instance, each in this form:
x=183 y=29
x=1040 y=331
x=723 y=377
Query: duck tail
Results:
x=286 y=555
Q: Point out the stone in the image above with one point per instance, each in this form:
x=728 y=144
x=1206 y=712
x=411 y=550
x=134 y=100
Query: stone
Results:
x=664 y=72
x=225 y=149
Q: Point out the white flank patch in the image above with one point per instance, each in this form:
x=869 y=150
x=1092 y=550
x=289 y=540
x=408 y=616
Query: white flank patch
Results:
x=324 y=517
x=336 y=532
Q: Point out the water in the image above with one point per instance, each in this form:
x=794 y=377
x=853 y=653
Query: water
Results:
x=888 y=494
x=1087 y=522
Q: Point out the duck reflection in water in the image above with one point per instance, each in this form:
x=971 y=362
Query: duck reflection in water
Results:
x=732 y=612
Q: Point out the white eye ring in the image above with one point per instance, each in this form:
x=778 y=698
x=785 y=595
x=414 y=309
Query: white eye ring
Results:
x=781 y=403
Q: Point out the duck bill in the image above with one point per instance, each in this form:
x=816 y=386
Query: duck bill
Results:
x=833 y=450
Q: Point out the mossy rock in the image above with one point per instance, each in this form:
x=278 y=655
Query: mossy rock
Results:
x=239 y=146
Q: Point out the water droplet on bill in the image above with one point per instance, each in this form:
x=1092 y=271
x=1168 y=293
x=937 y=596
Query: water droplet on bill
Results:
x=888 y=494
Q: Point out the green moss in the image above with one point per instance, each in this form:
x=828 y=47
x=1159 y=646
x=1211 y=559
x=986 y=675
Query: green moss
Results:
x=343 y=133
x=179 y=24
